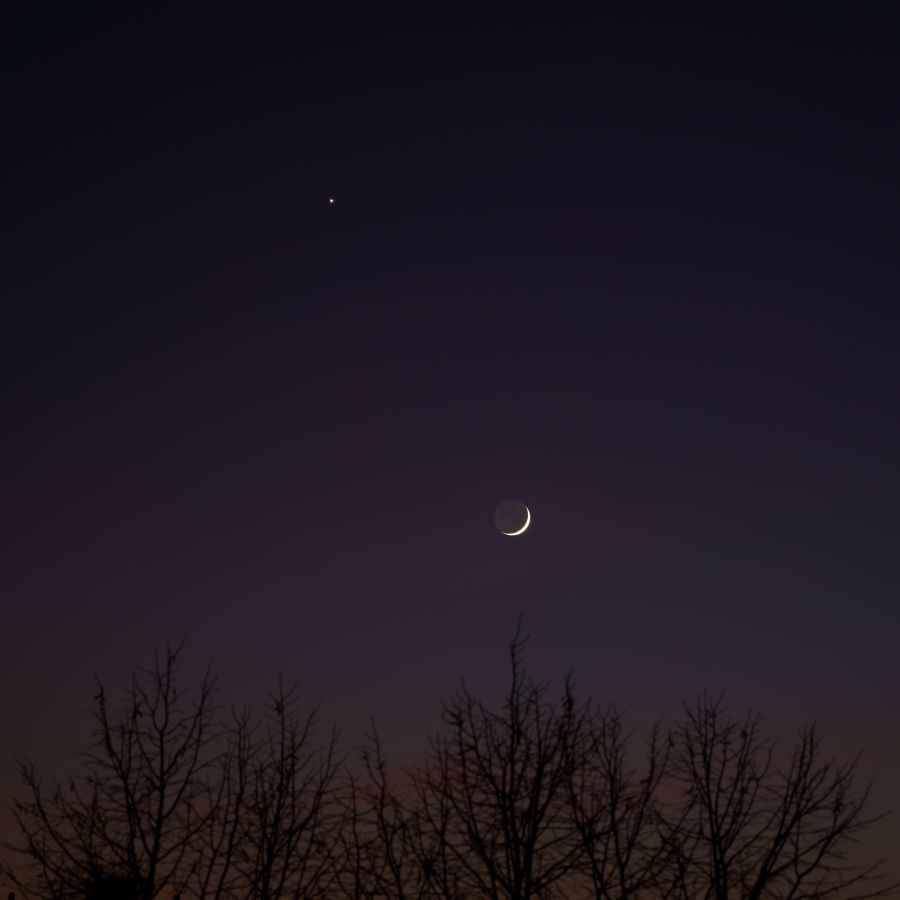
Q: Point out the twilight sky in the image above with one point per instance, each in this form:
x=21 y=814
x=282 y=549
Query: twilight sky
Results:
x=640 y=273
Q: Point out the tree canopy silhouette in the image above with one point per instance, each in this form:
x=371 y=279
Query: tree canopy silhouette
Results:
x=534 y=799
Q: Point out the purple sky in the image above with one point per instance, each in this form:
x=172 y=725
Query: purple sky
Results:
x=641 y=274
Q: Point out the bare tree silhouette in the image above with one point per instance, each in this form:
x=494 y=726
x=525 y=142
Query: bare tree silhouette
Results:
x=615 y=809
x=225 y=800
x=286 y=845
x=135 y=813
x=749 y=825
x=380 y=834
x=494 y=797
x=529 y=800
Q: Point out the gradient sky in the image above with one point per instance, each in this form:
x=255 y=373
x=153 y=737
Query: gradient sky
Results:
x=640 y=273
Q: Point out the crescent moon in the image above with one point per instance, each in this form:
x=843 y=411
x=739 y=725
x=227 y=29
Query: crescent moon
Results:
x=527 y=523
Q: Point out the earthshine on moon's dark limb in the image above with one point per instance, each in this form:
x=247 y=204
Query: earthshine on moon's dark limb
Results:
x=512 y=517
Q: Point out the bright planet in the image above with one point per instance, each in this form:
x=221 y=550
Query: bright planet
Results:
x=512 y=517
